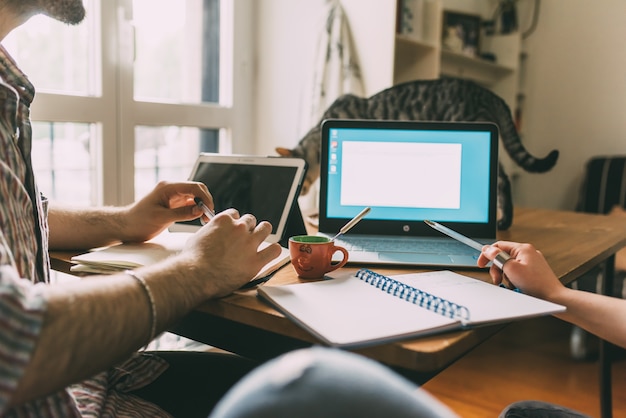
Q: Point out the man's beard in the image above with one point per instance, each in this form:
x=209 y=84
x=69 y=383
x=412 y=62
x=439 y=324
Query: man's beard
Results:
x=67 y=11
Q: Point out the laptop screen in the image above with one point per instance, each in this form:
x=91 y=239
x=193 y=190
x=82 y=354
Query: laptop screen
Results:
x=409 y=171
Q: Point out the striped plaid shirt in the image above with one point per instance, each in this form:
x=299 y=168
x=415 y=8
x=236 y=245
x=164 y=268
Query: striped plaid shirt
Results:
x=24 y=268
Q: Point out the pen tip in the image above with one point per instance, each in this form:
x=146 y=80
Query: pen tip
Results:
x=428 y=222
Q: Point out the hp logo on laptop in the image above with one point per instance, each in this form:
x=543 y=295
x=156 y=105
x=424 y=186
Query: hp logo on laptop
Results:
x=406 y=228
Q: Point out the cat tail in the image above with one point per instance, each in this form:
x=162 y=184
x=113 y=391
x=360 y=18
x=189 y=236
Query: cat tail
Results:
x=516 y=150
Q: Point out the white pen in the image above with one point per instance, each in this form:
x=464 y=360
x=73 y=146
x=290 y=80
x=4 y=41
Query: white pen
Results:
x=352 y=222
x=208 y=212
x=501 y=258
x=453 y=234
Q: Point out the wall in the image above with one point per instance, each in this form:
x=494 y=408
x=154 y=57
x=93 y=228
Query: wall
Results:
x=285 y=47
x=575 y=86
x=288 y=34
x=574 y=81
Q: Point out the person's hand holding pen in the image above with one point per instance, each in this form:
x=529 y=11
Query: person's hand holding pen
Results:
x=514 y=265
x=499 y=257
x=526 y=269
x=168 y=202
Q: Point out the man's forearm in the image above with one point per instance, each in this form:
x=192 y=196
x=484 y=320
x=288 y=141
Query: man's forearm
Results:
x=97 y=322
x=82 y=228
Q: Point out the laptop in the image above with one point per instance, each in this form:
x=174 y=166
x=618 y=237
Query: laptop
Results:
x=267 y=187
x=409 y=171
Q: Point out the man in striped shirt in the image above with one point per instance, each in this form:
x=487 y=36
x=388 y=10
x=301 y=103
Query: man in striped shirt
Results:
x=66 y=350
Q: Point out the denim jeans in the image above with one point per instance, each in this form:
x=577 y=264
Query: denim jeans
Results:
x=323 y=382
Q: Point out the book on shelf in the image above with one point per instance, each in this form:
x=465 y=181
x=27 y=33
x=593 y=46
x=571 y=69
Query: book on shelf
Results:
x=364 y=308
x=117 y=258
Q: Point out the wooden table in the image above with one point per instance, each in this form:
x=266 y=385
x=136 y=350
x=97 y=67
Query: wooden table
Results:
x=573 y=243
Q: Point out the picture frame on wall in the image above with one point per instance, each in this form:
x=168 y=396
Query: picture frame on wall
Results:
x=461 y=33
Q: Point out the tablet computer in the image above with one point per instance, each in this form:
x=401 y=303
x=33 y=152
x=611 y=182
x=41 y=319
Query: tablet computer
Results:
x=266 y=187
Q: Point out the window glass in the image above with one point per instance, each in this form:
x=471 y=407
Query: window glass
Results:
x=177 y=50
x=64 y=161
x=177 y=60
x=168 y=153
x=67 y=65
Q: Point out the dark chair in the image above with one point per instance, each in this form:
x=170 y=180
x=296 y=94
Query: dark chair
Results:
x=603 y=188
x=604 y=185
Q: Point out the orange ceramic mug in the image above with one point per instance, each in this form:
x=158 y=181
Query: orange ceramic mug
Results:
x=311 y=256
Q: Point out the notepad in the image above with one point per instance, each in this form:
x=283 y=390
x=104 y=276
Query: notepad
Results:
x=121 y=257
x=367 y=308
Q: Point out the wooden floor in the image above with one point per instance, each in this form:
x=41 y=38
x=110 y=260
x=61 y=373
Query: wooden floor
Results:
x=527 y=360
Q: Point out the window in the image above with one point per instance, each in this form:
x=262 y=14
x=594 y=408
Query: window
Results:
x=133 y=94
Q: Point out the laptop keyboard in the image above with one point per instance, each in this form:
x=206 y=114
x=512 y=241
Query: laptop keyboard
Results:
x=403 y=245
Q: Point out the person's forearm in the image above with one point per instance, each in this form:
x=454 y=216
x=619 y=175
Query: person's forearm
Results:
x=598 y=314
x=82 y=228
x=97 y=322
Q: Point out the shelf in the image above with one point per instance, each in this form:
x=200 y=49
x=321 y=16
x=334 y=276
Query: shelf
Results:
x=414 y=59
x=426 y=57
x=484 y=72
x=410 y=42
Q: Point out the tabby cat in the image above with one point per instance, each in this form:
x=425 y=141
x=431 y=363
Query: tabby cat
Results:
x=445 y=99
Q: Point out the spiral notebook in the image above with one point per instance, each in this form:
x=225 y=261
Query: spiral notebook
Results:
x=366 y=308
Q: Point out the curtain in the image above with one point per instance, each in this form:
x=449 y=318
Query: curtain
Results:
x=336 y=72
x=336 y=67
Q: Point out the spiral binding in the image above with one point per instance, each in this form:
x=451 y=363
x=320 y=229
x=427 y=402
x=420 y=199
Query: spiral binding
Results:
x=413 y=295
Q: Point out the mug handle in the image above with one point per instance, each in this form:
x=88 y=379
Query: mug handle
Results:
x=341 y=263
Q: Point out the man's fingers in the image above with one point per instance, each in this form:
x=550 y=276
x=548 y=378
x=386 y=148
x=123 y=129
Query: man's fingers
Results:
x=250 y=221
x=234 y=213
x=263 y=230
x=269 y=253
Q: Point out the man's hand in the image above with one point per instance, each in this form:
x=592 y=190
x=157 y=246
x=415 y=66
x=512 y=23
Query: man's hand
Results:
x=165 y=204
x=224 y=253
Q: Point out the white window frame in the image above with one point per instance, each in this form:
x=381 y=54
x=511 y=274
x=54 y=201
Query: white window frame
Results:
x=116 y=112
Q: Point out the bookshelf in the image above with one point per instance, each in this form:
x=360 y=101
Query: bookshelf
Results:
x=419 y=53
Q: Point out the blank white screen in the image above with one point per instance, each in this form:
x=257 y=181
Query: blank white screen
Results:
x=396 y=174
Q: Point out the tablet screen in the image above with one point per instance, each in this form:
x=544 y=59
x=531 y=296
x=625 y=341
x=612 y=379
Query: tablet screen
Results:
x=265 y=187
